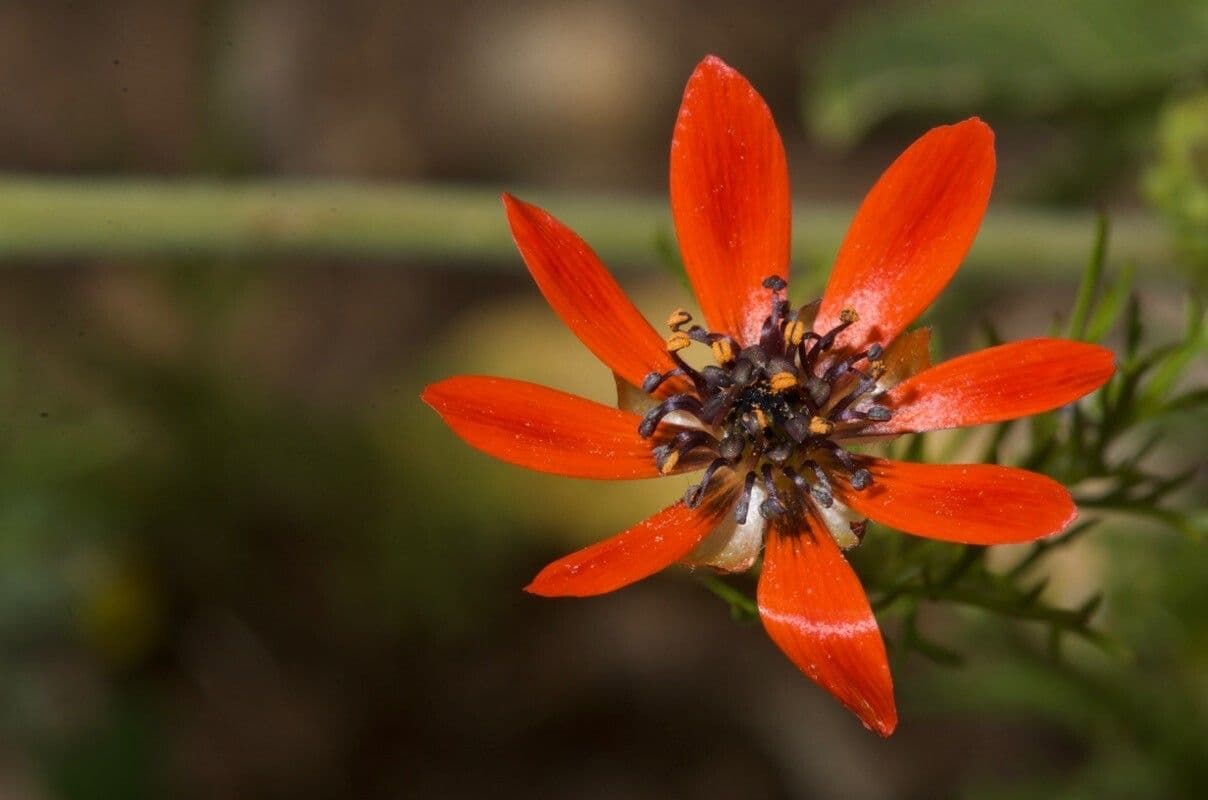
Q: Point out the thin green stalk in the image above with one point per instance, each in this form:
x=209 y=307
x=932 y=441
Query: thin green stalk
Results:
x=51 y=218
x=1091 y=278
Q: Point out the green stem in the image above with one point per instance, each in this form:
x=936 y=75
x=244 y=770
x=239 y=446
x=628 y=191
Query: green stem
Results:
x=52 y=218
x=741 y=605
x=1091 y=278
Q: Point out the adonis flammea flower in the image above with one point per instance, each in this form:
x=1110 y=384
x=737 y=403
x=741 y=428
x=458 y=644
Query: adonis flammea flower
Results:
x=770 y=422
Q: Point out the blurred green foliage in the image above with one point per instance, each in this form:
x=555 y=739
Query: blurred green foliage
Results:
x=1141 y=707
x=1177 y=181
x=149 y=498
x=1098 y=70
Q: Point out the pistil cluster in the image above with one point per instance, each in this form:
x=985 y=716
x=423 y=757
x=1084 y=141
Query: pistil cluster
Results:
x=775 y=410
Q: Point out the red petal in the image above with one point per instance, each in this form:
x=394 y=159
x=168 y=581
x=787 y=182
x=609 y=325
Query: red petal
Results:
x=970 y=503
x=543 y=429
x=998 y=383
x=908 y=355
x=911 y=233
x=813 y=607
x=641 y=551
x=729 y=197
x=582 y=292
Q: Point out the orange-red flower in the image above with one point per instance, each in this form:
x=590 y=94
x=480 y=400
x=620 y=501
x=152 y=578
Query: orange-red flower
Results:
x=789 y=390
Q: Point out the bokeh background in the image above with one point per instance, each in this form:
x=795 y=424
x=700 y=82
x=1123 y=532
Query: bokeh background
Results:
x=239 y=558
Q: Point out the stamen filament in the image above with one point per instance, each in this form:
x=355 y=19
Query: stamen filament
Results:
x=744 y=500
x=770 y=409
x=677 y=402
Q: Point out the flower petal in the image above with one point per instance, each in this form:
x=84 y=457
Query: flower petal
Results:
x=543 y=429
x=908 y=355
x=581 y=291
x=732 y=546
x=729 y=198
x=845 y=526
x=970 y=503
x=646 y=548
x=995 y=384
x=911 y=233
x=814 y=609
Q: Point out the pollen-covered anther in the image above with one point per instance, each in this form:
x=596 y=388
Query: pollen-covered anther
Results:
x=743 y=505
x=878 y=413
x=716 y=377
x=794 y=332
x=819 y=390
x=820 y=426
x=782 y=382
x=775 y=283
x=678 y=317
x=797 y=428
x=754 y=354
x=763 y=409
x=731 y=448
x=678 y=341
x=860 y=479
x=723 y=350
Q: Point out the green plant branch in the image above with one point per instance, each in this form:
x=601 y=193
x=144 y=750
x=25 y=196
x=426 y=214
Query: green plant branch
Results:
x=1103 y=443
x=742 y=606
x=52 y=218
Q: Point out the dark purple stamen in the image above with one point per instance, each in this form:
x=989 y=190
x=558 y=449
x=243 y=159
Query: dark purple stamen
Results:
x=822 y=489
x=769 y=410
x=798 y=428
x=696 y=492
x=717 y=406
x=717 y=377
x=678 y=402
x=744 y=499
x=654 y=380
x=731 y=447
x=773 y=506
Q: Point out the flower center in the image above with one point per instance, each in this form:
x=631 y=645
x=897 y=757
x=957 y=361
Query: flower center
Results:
x=777 y=409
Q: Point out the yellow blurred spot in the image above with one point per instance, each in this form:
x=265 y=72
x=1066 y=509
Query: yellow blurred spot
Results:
x=783 y=381
x=677 y=341
x=820 y=426
x=794 y=332
x=117 y=615
x=678 y=317
x=723 y=351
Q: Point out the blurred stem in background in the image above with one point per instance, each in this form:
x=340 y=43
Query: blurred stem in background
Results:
x=199 y=219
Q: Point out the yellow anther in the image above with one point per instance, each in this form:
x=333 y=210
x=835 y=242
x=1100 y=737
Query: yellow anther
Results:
x=723 y=351
x=877 y=368
x=762 y=419
x=820 y=426
x=849 y=315
x=677 y=341
x=794 y=332
x=783 y=381
x=669 y=462
x=678 y=317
